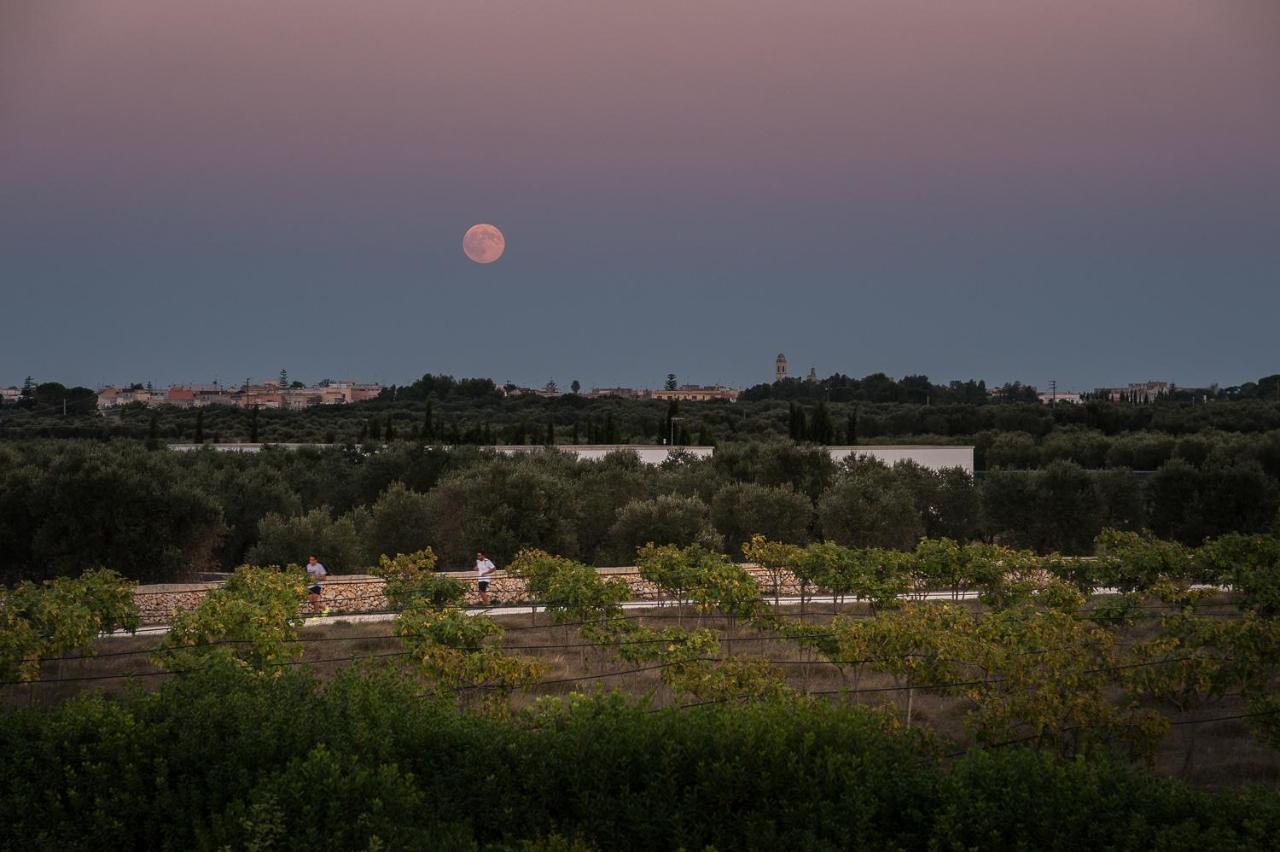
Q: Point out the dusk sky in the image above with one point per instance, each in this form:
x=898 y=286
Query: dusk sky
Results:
x=1086 y=191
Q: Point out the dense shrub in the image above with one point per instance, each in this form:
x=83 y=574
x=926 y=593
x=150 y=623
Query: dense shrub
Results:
x=1190 y=504
x=742 y=510
x=336 y=542
x=78 y=506
x=162 y=516
x=502 y=504
x=1060 y=508
x=868 y=506
x=400 y=521
x=666 y=519
x=223 y=759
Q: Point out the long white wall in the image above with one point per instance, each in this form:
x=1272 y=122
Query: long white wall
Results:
x=934 y=458
x=648 y=453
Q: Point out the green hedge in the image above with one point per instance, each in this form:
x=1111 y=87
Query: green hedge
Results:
x=222 y=760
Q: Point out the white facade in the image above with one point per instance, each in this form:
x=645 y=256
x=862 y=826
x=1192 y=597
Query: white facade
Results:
x=931 y=457
x=648 y=453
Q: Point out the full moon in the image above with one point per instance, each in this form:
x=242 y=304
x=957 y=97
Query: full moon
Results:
x=483 y=243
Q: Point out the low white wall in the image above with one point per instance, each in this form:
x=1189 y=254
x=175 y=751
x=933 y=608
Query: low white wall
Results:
x=648 y=453
x=933 y=458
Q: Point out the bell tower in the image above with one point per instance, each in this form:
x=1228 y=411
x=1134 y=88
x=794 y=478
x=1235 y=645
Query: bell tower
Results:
x=780 y=369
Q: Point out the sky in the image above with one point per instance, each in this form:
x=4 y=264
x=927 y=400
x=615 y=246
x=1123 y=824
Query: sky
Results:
x=997 y=189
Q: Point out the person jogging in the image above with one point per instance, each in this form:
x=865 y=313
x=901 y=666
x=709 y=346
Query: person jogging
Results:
x=315 y=585
x=484 y=573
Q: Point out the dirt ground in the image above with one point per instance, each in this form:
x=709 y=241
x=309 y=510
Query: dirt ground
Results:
x=1215 y=754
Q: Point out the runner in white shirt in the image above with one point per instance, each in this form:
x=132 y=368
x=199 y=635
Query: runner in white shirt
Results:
x=315 y=584
x=484 y=573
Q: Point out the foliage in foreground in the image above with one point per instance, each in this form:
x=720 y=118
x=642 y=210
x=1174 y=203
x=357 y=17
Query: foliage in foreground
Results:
x=221 y=758
x=252 y=619
x=59 y=616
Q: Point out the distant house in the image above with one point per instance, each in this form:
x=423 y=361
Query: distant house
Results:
x=339 y=393
x=112 y=397
x=1061 y=396
x=549 y=390
x=10 y=395
x=621 y=393
x=300 y=398
x=262 y=400
x=697 y=393
x=181 y=396
x=268 y=394
x=212 y=395
x=1136 y=392
x=332 y=395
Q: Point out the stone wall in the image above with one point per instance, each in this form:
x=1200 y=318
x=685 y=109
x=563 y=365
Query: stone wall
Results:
x=362 y=593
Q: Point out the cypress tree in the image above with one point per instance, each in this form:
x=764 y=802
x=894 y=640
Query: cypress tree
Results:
x=253 y=425
x=551 y=432
x=390 y=431
x=851 y=436
x=820 y=428
x=428 y=431
x=799 y=429
x=199 y=437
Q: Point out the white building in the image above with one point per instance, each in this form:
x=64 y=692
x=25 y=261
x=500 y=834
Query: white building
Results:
x=697 y=393
x=648 y=453
x=1053 y=397
x=931 y=457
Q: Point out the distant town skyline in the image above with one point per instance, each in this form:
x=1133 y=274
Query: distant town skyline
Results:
x=998 y=189
x=684 y=381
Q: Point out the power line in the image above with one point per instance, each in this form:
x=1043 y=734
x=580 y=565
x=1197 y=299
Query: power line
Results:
x=599 y=675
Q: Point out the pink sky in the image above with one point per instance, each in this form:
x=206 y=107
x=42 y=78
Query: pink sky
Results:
x=719 y=89
x=703 y=144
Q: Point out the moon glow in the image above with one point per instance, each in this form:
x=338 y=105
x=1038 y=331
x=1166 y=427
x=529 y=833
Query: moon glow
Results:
x=483 y=243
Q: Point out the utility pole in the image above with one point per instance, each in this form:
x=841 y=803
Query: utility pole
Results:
x=1053 y=391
